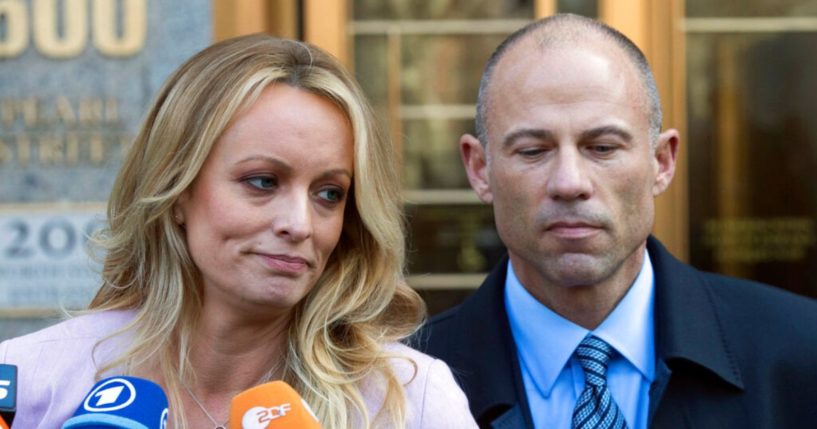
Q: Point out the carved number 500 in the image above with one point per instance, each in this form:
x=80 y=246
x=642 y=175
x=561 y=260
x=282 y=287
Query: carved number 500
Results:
x=45 y=21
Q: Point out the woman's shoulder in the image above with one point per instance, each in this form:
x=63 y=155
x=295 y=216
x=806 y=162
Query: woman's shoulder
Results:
x=90 y=326
x=56 y=366
x=71 y=334
x=433 y=397
x=408 y=363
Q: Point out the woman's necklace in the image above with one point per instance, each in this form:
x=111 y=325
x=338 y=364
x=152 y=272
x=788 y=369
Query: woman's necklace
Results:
x=201 y=406
x=264 y=378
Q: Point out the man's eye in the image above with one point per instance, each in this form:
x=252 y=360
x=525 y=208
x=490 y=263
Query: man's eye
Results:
x=262 y=182
x=533 y=152
x=332 y=195
x=602 y=149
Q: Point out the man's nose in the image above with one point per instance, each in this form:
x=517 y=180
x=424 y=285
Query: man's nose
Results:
x=569 y=178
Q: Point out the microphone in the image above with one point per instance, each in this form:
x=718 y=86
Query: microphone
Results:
x=8 y=394
x=269 y=406
x=123 y=403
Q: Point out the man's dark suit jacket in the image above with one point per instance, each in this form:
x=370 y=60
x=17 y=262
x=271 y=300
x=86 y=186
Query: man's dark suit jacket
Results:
x=730 y=353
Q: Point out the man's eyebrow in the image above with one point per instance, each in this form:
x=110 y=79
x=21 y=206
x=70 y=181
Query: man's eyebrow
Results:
x=605 y=130
x=536 y=133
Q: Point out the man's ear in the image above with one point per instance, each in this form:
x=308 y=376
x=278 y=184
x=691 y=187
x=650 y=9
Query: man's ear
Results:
x=474 y=158
x=666 y=151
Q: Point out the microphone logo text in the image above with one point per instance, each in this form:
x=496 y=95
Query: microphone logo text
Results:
x=8 y=386
x=4 y=391
x=163 y=419
x=260 y=417
x=112 y=395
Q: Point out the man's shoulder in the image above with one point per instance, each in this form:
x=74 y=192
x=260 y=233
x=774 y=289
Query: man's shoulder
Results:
x=731 y=296
x=433 y=336
x=758 y=299
x=487 y=301
x=761 y=308
x=446 y=318
x=767 y=331
x=478 y=324
x=454 y=328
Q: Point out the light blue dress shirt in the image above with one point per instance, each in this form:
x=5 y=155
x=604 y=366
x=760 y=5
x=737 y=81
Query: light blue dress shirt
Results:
x=554 y=378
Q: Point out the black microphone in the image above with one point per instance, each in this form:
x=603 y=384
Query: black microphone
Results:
x=8 y=394
x=121 y=403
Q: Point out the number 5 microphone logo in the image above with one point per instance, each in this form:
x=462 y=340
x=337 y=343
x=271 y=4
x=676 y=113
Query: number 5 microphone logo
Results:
x=8 y=390
x=4 y=391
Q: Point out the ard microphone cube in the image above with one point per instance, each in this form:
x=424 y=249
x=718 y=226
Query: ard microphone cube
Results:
x=273 y=405
x=121 y=402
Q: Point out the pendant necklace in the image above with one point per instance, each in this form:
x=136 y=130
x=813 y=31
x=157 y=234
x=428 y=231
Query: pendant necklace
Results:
x=201 y=406
x=266 y=377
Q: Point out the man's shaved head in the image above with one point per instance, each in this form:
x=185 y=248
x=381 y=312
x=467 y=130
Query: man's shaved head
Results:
x=564 y=31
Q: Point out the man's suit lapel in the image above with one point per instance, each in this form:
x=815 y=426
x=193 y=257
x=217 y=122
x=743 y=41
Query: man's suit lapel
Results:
x=497 y=393
x=688 y=329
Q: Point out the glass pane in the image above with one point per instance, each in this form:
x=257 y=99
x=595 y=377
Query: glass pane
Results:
x=371 y=70
x=452 y=239
x=753 y=153
x=421 y=63
x=580 y=7
x=438 y=300
x=754 y=8
x=371 y=53
x=444 y=69
x=431 y=156
x=441 y=9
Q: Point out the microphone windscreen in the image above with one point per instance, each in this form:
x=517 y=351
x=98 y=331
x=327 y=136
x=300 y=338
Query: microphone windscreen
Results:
x=269 y=406
x=122 y=402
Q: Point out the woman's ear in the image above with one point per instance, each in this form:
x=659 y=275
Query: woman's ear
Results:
x=178 y=209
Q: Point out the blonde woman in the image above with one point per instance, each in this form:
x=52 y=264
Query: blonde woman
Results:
x=255 y=233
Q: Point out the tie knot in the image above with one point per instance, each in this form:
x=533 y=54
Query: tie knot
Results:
x=594 y=355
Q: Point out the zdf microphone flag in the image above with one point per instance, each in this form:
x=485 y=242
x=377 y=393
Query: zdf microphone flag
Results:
x=270 y=406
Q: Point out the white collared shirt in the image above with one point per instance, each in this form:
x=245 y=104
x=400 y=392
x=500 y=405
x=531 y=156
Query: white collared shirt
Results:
x=545 y=342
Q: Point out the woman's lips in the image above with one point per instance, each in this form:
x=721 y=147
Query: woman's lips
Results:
x=285 y=264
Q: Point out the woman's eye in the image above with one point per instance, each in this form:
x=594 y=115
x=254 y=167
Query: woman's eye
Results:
x=262 y=182
x=332 y=195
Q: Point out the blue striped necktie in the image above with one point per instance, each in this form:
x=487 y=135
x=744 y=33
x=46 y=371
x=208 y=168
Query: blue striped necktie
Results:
x=596 y=408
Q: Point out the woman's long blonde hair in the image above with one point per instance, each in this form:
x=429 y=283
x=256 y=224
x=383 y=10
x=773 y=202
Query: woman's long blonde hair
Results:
x=360 y=302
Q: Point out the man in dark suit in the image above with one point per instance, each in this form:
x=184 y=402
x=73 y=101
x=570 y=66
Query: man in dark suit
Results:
x=589 y=322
